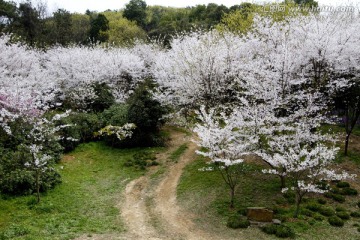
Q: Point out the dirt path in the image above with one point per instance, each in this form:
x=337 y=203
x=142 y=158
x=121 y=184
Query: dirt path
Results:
x=150 y=209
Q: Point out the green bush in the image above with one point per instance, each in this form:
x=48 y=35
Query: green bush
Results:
x=355 y=214
x=313 y=207
x=326 y=211
x=16 y=179
x=336 y=221
x=339 y=198
x=142 y=159
x=269 y=228
x=236 y=221
x=342 y=184
x=328 y=194
x=319 y=217
x=349 y=191
x=321 y=201
x=358 y=204
x=103 y=98
x=82 y=128
x=358 y=229
x=147 y=114
x=280 y=231
x=290 y=197
x=340 y=209
x=284 y=232
x=343 y=215
x=307 y=212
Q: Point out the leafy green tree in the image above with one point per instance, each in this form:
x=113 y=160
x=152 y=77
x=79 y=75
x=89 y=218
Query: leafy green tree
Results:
x=98 y=28
x=121 y=30
x=7 y=14
x=27 y=23
x=80 y=27
x=135 y=10
x=62 y=33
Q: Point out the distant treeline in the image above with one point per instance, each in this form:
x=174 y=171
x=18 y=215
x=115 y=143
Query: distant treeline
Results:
x=31 y=23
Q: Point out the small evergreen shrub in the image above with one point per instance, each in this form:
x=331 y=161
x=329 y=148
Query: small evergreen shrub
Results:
x=328 y=194
x=349 y=191
x=343 y=215
x=321 y=201
x=284 y=232
x=339 y=198
x=336 y=221
x=280 y=231
x=236 y=221
x=313 y=207
x=319 y=217
x=326 y=211
x=340 y=209
x=307 y=212
x=355 y=214
x=269 y=228
x=342 y=184
x=141 y=160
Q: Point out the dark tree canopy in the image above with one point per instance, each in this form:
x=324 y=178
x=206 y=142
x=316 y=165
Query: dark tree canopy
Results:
x=135 y=10
x=99 y=25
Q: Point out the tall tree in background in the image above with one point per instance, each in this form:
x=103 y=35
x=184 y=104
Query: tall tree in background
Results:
x=7 y=14
x=99 y=25
x=135 y=10
x=27 y=22
x=62 y=27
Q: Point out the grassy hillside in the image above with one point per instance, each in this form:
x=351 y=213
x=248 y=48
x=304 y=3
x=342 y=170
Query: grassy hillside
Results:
x=85 y=202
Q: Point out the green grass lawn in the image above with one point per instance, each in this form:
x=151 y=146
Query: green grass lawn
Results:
x=207 y=196
x=93 y=178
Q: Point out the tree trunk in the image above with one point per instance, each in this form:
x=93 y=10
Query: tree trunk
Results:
x=232 y=197
x=38 y=186
x=298 y=201
x=347 y=144
x=283 y=181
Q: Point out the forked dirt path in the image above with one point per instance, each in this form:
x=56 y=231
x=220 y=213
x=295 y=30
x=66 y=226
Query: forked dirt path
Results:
x=150 y=209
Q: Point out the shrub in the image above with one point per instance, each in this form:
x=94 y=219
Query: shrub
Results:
x=328 y=194
x=307 y=212
x=340 y=209
x=142 y=160
x=338 y=198
x=358 y=229
x=16 y=179
x=313 y=207
x=321 y=201
x=82 y=128
x=284 y=232
x=358 y=204
x=280 y=231
x=343 y=215
x=236 y=221
x=319 y=217
x=147 y=114
x=290 y=197
x=342 y=184
x=326 y=211
x=269 y=228
x=355 y=214
x=349 y=191
x=103 y=98
x=336 y=221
